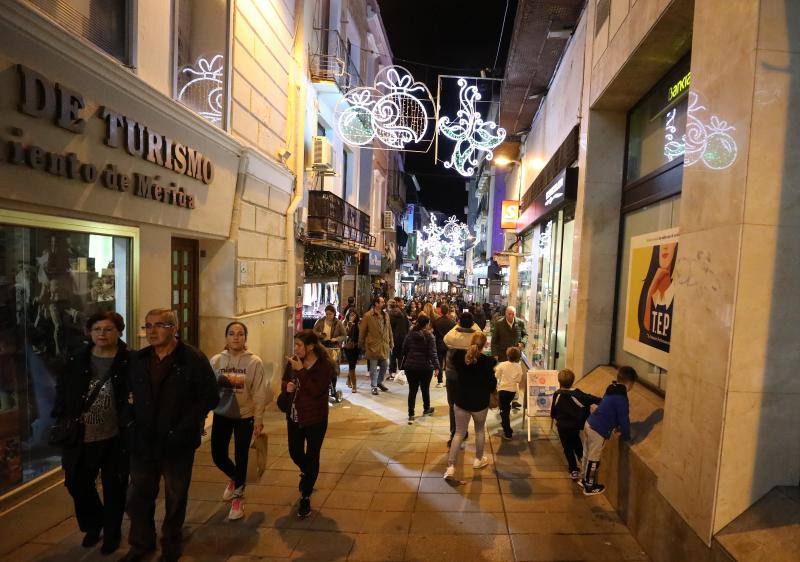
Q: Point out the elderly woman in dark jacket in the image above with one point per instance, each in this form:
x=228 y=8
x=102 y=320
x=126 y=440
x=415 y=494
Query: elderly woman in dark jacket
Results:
x=93 y=388
x=421 y=359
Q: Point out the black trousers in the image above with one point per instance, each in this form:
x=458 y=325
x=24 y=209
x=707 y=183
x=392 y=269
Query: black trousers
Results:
x=305 y=444
x=222 y=429
x=451 y=389
x=442 y=353
x=107 y=458
x=505 y=398
x=352 y=357
x=396 y=358
x=573 y=448
x=419 y=379
x=145 y=476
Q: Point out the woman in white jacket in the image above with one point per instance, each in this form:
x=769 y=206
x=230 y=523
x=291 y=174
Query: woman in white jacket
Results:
x=243 y=394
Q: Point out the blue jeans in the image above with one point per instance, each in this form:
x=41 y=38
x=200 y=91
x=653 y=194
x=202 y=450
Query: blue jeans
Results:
x=377 y=370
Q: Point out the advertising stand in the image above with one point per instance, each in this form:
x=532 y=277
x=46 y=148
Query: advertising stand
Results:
x=541 y=385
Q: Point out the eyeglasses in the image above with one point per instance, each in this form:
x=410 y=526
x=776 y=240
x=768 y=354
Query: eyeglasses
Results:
x=103 y=330
x=159 y=325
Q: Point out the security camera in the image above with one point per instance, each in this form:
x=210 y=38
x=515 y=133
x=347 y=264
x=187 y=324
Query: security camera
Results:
x=284 y=155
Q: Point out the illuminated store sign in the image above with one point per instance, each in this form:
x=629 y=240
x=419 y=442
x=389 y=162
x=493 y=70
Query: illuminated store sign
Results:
x=558 y=192
x=42 y=99
x=508 y=220
x=679 y=87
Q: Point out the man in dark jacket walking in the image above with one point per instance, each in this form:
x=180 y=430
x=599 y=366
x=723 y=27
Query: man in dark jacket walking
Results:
x=172 y=390
x=441 y=326
x=400 y=328
x=508 y=332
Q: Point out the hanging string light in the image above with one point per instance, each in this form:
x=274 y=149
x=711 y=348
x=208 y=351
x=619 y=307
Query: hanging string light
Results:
x=442 y=244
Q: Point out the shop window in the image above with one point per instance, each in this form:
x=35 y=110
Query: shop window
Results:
x=653 y=219
x=105 y=23
x=51 y=281
x=657 y=124
x=201 y=53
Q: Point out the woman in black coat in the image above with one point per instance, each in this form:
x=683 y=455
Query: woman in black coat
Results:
x=98 y=446
x=351 y=350
x=419 y=349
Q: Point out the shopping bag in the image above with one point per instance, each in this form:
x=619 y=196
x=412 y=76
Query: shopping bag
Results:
x=400 y=377
x=257 y=461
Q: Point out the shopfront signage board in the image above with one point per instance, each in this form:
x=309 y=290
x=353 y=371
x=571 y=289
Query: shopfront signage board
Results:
x=559 y=192
x=510 y=214
x=482 y=281
x=541 y=385
x=374 y=262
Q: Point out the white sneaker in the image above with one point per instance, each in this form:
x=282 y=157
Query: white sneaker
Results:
x=450 y=473
x=237 y=509
x=480 y=463
x=227 y=495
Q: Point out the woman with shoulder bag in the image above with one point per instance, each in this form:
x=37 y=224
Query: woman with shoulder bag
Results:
x=93 y=391
x=304 y=399
x=419 y=349
x=331 y=333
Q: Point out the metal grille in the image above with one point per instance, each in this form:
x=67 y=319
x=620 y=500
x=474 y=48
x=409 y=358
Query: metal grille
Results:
x=102 y=22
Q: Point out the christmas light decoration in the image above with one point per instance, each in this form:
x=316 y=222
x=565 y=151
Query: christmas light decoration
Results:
x=710 y=143
x=472 y=134
x=204 y=92
x=443 y=244
x=394 y=111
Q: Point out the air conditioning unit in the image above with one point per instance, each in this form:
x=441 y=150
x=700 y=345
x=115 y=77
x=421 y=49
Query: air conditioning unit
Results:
x=322 y=154
x=388 y=220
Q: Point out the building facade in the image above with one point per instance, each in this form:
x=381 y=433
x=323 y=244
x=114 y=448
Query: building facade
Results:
x=659 y=159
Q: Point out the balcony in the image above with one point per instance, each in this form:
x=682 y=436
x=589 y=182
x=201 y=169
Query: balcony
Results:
x=329 y=61
x=333 y=219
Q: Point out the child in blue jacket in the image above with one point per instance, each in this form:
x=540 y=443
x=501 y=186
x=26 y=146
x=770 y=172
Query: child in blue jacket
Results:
x=612 y=413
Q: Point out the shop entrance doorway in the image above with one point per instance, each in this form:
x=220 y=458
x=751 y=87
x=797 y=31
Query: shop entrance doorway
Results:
x=185 y=287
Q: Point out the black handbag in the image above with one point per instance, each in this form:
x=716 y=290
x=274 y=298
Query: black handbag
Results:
x=284 y=402
x=68 y=432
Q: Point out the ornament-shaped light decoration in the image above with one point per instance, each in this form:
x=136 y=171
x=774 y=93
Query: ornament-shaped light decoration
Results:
x=204 y=91
x=394 y=111
x=443 y=244
x=472 y=134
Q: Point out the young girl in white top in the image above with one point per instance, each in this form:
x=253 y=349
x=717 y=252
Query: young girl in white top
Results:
x=509 y=375
x=243 y=397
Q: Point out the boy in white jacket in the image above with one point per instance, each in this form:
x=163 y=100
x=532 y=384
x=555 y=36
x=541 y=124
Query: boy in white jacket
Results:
x=509 y=375
x=243 y=397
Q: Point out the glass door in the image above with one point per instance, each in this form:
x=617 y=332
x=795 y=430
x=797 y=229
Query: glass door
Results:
x=185 y=287
x=564 y=296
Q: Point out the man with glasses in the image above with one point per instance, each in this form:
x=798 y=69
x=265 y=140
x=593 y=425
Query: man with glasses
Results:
x=173 y=387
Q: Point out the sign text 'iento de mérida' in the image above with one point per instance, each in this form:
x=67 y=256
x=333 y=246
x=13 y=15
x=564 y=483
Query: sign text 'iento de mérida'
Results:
x=43 y=99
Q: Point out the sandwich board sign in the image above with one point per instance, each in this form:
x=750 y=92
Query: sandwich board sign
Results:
x=541 y=385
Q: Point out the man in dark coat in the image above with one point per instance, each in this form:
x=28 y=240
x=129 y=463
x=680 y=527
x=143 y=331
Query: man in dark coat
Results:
x=400 y=329
x=172 y=390
x=508 y=331
x=441 y=326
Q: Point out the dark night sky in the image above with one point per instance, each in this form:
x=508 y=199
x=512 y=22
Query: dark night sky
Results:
x=461 y=36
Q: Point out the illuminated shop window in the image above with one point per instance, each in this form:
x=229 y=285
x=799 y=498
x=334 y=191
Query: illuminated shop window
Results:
x=201 y=51
x=105 y=23
x=51 y=282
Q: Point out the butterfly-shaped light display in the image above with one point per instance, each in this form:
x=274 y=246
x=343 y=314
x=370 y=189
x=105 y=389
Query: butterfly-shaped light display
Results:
x=471 y=133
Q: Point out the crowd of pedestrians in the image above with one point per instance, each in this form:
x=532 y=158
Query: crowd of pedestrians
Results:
x=133 y=418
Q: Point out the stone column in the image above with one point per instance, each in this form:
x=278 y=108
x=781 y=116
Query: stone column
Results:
x=732 y=416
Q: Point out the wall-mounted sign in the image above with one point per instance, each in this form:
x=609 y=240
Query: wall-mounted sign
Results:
x=510 y=214
x=374 y=262
x=558 y=192
x=482 y=281
x=680 y=86
x=42 y=99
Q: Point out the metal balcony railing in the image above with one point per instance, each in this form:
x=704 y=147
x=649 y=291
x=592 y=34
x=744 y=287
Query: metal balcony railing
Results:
x=332 y=218
x=330 y=61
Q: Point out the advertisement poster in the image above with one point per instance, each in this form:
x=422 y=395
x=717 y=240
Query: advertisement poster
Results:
x=651 y=290
x=541 y=387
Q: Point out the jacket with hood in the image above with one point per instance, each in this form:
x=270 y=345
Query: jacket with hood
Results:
x=612 y=412
x=375 y=335
x=419 y=349
x=570 y=408
x=476 y=381
x=455 y=339
x=242 y=385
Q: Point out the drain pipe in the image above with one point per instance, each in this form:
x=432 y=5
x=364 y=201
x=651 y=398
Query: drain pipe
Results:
x=297 y=96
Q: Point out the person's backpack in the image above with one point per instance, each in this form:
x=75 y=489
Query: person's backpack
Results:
x=568 y=411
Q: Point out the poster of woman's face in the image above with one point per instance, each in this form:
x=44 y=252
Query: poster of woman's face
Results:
x=650 y=294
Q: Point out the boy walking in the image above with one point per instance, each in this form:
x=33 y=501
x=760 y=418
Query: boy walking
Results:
x=612 y=413
x=509 y=375
x=570 y=409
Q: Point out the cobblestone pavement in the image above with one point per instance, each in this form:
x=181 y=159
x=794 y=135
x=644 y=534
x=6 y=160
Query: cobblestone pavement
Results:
x=381 y=496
